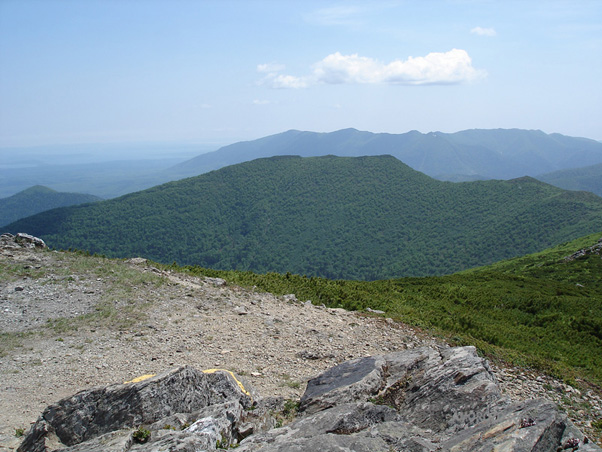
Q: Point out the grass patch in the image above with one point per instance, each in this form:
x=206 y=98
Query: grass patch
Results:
x=116 y=309
x=287 y=414
x=106 y=314
x=14 y=271
x=289 y=382
x=11 y=341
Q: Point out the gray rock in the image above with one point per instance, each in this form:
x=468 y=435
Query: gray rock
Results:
x=447 y=389
x=218 y=282
x=375 y=311
x=29 y=241
x=116 y=441
x=21 y=240
x=95 y=412
x=444 y=390
x=535 y=425
x=334 y=425
x=351 y=381
x=418 y=400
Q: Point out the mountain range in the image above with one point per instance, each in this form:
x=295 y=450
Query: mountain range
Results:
x=361 y=218
x=463 y=156
x=466 y=155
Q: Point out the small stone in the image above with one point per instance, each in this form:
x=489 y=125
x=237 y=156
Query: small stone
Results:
x=240 y=310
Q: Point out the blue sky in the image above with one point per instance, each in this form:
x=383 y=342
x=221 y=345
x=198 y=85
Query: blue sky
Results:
x=86 y=71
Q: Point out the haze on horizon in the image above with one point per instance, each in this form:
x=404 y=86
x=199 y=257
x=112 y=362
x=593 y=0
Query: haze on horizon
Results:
x=223 y=71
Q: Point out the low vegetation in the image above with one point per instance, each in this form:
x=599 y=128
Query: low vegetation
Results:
x=540 y=310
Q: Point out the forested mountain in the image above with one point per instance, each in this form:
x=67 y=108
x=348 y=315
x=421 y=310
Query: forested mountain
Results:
x=463 y=156
x=337 y=217
x=467 y=155
x=588 y=178
x=38 y=199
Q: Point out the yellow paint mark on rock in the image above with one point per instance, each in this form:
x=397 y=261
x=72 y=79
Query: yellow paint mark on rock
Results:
x=240 y=385
x=141 y=378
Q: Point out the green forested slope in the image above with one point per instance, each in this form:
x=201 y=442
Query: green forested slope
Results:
x=38 y=199
x=355 y=218
x=588 y=178
x=539 y=310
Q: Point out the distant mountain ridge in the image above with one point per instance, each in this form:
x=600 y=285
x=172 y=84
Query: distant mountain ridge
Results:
x=466 y=155
x=337 y=217
x=462 y=156
x=38 y=199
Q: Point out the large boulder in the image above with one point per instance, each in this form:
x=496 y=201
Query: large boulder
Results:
x=21 y=240
x=419 y=400
x=92 y=413
x=441 y=389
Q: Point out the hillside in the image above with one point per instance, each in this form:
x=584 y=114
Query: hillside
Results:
x=38 y=199
x=465 y=155
x=587 y=178
x=360 y=218
x=73 y=322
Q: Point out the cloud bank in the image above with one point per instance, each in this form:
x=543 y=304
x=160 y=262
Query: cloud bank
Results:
x=436 y=68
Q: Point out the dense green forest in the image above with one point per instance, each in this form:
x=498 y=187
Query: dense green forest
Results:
x=363 y=218
x=539 y=310
x=588 y=178
x=38 y=199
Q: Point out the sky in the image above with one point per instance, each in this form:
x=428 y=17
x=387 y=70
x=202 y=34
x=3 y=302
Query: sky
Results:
x=194 y=71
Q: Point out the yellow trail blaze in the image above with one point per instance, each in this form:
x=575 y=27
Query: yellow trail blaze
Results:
x=141 y=378
x=240 y=385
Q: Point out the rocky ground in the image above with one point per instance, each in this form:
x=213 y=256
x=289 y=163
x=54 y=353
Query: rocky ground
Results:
x=70 y=322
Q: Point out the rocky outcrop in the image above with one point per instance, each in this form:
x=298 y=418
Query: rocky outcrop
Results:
x=424 y=399
x=21 y=240
x=594 y=249
x=207 y=404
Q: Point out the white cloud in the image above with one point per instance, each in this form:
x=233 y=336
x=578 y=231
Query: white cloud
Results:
x=287 y=81
x=483 y=31
x=261 y=102
x=336 y=15
x=270 y=67
x=276 y=80
x=450 y=67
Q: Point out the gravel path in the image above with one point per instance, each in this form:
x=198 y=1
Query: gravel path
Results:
x=70 y=322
